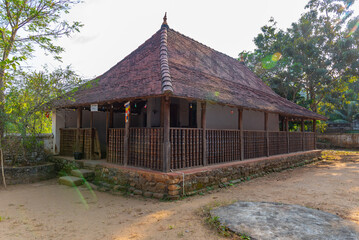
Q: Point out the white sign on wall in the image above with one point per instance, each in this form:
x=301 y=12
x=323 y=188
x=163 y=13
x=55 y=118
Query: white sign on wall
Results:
x=94 y=107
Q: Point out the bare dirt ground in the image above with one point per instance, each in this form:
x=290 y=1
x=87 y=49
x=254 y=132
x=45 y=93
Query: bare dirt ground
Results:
x=47 y=210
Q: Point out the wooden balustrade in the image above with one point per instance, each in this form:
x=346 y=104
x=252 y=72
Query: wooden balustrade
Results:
x=68 y=141
x=277 y=143
x=116 y=145
x=254 y=144
x=186 y=147
x=223 y=146
x=145 y=148
x=295 y=141
x=309 y=141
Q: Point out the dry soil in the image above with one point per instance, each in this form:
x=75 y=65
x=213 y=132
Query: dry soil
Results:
x=47 y=210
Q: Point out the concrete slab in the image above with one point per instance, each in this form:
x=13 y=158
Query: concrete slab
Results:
x=263 y=220
x=83 y=173
x=71 y=181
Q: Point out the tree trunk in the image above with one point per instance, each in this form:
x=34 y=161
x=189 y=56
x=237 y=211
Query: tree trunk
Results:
x=2 y=102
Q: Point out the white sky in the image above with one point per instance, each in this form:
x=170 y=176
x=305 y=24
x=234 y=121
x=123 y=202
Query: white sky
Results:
x=114 y=28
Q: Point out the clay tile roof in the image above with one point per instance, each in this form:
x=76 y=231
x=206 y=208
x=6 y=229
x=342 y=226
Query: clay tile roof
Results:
x=171 y=63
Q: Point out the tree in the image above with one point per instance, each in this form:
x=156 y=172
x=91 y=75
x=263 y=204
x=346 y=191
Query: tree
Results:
x=318 y=55
x=29 y=102
x=24 y=24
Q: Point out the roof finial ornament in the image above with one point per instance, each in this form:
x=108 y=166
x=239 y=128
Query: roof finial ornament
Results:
x=242 y=59
x=164 y=24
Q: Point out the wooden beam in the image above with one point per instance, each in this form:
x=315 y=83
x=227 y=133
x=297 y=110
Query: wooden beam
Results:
x=302 y=130
x=166 y=133
x=240 y=126
x=126 y=139
x=204 y=140
x=266 y=129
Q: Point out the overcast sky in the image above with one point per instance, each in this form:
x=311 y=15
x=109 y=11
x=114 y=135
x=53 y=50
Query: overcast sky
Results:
x=114 y=28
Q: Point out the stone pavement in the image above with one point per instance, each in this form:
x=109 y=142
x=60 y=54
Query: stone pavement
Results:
x=263 y=220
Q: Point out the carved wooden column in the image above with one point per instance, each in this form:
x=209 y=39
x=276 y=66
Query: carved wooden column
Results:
x=266 y=129
x=166 y=134
x=78 y=126
x=91 y=133
x=287 y=133
x=240 y=126
x=302 y=130
x=204 y=140
x=315 y=133
x=126 y=138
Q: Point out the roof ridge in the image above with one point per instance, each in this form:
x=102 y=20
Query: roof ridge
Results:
x=165 y=69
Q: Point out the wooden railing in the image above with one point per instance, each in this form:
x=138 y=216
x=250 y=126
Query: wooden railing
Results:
x=295 y=141
x=277 y=143
x=223 y=146
x=255 y=144
x=145 y=148
x=309 y=141
x=86 y=142
x=186 y=147
x=115 y=145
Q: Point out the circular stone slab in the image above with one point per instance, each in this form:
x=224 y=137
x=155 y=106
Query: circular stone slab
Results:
x=263 y=220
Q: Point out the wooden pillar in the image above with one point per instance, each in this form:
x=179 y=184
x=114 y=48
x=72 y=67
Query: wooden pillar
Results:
x=149 y=112
x=266 y=129
x=204 y=140
x=162 y=112
x=107 y=131
x=126 y=139
x=78 y=126
x=166 y=133
x=287 y=131
x=79 y=117
x=240 y=126
x=91 y=130
x=302 y=130
x=315 y=133
x=111 y=117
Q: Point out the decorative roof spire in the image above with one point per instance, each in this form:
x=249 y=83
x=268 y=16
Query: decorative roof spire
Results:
x=166 y=80
x=164 y=24
x=242 y=59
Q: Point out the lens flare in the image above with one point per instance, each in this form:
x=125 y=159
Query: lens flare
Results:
x=216 y=93
x=270 y=61
x=353 y=29
x=276 y=57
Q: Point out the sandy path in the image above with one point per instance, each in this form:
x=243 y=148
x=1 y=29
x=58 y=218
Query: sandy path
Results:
x=47 y=210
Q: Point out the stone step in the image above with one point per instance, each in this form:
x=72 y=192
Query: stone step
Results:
x=83 y=173
x=71 y=181
x=92 y=164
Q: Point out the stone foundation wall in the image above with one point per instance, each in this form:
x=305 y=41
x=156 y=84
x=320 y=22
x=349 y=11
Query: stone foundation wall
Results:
x=28 y=174
x=192 y=181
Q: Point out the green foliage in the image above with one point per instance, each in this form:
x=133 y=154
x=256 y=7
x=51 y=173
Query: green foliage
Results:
x=25 y=24
x=315 y=58
x=30 y=100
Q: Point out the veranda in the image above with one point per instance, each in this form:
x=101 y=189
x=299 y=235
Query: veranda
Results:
x=167 y=134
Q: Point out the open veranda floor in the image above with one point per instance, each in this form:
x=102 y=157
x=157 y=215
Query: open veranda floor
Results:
x=47 y=210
